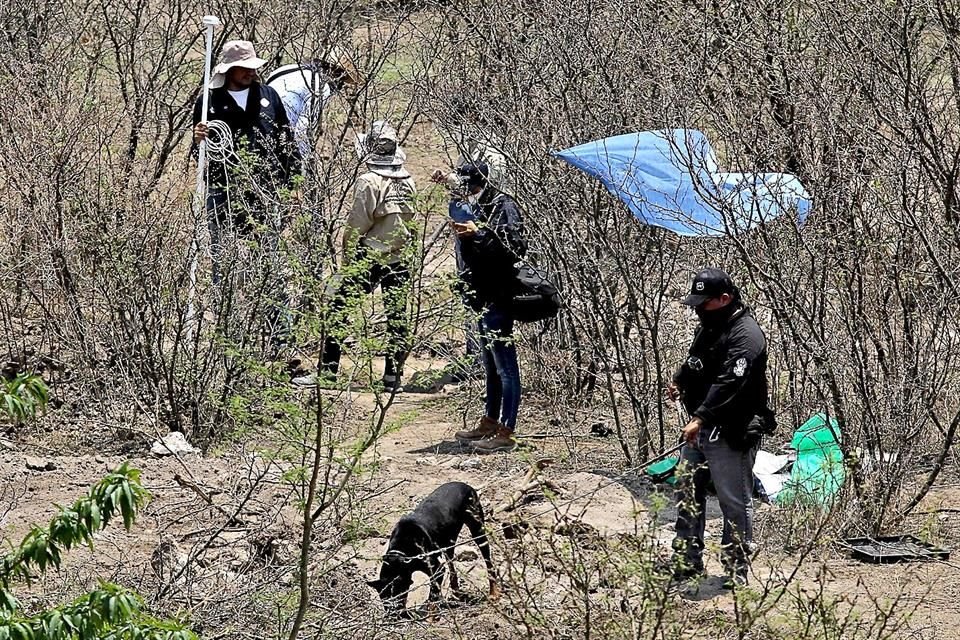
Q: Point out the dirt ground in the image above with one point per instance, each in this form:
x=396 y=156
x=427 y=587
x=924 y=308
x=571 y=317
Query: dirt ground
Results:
x=410 y=463
x=243 y=540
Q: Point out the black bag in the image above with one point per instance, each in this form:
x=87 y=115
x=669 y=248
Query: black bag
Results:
x=762 y=424
x=535 y=297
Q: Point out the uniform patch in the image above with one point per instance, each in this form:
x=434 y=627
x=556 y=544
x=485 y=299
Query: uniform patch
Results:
x=740 y=367
x=264 y=102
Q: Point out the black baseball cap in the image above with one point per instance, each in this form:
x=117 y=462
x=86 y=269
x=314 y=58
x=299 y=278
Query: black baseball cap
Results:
x=709 y=283
x=474 y=174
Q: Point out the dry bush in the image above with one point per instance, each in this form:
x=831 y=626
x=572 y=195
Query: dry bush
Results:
x=859 y=101
x=857 y=303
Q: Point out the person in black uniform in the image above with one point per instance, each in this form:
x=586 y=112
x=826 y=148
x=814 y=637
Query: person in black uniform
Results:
x=723 y=386
x=490 y=244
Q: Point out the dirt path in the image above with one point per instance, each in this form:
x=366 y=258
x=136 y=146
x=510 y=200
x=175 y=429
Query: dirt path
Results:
x=410 y=463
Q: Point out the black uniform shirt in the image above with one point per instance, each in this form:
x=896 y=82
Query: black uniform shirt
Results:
x=491 y=253
x=724 y=378
x=262 y=129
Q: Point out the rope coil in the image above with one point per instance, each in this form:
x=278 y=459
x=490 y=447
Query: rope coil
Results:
x=219 y=141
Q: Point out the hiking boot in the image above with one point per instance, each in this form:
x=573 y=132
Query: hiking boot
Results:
x=680 y=568
x=391 y=383
x=688 y=570
x=736 y=579
x=486 y=428
x=502 y=440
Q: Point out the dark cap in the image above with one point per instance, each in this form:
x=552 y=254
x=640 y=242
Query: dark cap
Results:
x=709 y=283
x=474 y=174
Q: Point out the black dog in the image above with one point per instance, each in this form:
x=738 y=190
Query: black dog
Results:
x=419 y=539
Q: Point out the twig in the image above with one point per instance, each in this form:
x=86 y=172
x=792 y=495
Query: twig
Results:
x=527 y=484
x=189 y=484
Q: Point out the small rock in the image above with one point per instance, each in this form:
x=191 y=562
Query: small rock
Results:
x=240 y=559
x=470 y=463
x=231 y=537
x=513 y=530
x=6 y=445
x=172 y=443
x=39 y=464
x=575 y=529
x=99 y=459
x=426 y=461
x=467 y=555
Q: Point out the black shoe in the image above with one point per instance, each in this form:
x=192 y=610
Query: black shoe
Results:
x=735 y=579
x=391 y=383
x=688 y=571
x=681 y=569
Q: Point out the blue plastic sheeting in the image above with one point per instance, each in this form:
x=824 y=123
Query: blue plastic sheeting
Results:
x=671 y=179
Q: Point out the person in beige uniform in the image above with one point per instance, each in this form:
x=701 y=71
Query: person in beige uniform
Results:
x=374 y=245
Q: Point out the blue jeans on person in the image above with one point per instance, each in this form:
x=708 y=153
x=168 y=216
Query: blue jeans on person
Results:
x=732 y=474
x=500 y=365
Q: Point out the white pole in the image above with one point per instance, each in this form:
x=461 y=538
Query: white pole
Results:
x=199 y=205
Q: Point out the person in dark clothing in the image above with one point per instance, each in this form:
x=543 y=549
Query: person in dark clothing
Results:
x=723 y=386
x=250 y=170
x=245 y=180
x=491 y=245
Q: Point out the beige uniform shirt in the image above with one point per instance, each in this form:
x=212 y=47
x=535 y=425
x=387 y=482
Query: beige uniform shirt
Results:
x=381 y=208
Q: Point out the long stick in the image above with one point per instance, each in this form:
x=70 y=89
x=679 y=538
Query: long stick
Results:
x=209 y=23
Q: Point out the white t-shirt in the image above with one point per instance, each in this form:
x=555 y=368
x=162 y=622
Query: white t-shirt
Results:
x=240 y=97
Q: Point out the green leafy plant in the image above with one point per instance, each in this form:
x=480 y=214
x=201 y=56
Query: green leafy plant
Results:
x=108 y=612
x=22 y=396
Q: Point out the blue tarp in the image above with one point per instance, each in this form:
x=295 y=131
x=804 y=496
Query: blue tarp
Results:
x=671 y=179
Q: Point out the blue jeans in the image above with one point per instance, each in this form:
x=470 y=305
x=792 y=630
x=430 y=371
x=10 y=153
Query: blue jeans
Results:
x=500 y=364
x=732 y=475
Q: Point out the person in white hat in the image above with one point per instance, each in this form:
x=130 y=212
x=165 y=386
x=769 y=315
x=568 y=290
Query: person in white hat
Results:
x=376 y=238
x=259 y=126
x=246 y=177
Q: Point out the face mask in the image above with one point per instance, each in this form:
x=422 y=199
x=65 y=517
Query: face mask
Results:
x=715 y=317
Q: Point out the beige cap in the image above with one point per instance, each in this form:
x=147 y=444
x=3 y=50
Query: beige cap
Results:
x=236 y=53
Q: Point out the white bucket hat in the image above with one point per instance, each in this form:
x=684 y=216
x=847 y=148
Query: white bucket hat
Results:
x=386 y=164
x=236 y=53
